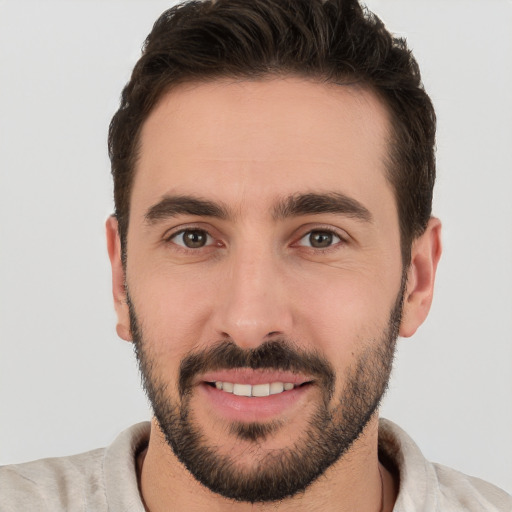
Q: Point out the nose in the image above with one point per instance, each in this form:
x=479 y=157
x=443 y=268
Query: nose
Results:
x=253 y=304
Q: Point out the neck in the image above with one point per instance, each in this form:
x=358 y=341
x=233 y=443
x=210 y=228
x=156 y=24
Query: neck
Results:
x=356 y=482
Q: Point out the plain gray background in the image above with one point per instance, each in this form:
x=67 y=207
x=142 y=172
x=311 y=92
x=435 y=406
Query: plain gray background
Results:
x=68 y=384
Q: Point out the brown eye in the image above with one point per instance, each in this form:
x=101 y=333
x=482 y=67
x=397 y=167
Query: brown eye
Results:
x=192 y=238
x=320 y=239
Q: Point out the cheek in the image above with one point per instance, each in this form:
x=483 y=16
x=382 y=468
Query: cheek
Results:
x=172 y=306
x=344 y=314
x=346 y=323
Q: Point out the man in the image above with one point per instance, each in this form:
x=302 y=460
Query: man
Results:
x=273 y=170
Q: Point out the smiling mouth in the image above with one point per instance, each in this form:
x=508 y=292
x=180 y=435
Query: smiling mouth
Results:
x=255 y=390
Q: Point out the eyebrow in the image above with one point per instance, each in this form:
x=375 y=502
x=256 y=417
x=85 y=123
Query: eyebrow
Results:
x=172 y=206
x=292 y=206
x=314 y=204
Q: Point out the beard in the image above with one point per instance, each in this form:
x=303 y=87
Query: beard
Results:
x=330 y=432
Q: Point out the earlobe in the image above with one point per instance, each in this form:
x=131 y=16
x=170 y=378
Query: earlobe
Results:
x=425 y=254
x=118 y=279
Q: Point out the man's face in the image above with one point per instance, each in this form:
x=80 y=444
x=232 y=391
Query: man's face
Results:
x=263 y=252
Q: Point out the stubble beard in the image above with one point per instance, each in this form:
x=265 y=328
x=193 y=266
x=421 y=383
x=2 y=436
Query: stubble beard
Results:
x=274 y=475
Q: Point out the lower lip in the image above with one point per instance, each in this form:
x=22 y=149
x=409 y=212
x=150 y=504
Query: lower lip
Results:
x=252 y=409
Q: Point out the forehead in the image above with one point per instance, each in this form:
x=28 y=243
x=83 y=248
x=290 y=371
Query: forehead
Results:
x=270 y=138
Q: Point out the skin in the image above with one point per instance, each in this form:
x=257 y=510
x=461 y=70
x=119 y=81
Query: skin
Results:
x=247 y=145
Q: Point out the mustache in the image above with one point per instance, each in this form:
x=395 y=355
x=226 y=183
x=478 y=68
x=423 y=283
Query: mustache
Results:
x=278 y=354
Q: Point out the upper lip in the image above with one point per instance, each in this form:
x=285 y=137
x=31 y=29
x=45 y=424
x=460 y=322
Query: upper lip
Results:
x=254 y=377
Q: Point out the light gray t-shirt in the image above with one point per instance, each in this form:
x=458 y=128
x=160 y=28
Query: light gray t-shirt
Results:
x=106 y=480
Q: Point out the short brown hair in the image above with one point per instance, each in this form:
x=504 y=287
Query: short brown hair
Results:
x=331 y=41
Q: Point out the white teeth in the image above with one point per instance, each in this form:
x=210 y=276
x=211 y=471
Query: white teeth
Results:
x=276 y=387
x=258 y=390
x=227 y=386
x=242 y=389
x=261 y=390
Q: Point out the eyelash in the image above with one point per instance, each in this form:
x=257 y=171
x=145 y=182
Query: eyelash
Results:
x=172 y=237
x=329 y=232
x=340 y=239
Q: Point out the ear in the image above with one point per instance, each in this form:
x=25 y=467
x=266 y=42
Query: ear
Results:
x=425 y=254
x=118 y=279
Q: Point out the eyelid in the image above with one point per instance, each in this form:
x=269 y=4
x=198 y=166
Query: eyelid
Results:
x=305 y=231
x=172 y=233
x=308 y=234
x=175 y=236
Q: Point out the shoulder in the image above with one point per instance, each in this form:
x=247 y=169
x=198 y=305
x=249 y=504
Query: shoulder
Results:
x=99 y=480
x=428 y=487
x=468 y=492
x=52 y=484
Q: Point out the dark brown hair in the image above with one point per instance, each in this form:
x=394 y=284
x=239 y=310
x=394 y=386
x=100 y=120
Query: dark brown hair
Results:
x=331 y=41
